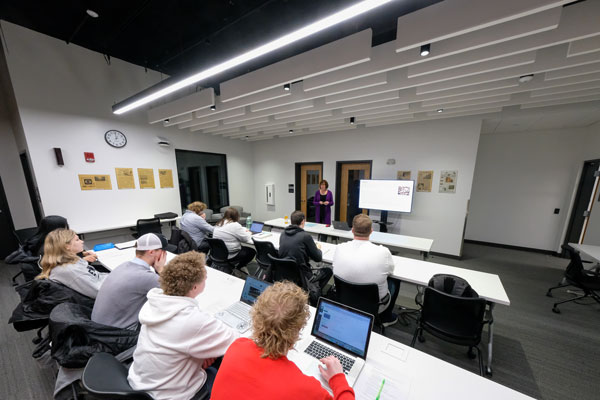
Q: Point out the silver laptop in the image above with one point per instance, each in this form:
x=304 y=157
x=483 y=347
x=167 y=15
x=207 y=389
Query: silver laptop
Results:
x=237 y=315
x=337 y=330
x=256 y=229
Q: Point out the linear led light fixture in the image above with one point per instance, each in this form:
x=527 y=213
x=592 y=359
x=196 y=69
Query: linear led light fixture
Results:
x=322 y=24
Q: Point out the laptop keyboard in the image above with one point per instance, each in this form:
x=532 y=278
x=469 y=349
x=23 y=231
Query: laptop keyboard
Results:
x=317 y=350
x=240 y=310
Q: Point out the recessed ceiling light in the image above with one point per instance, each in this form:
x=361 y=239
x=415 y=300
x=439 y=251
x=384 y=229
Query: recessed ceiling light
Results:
x=292 y=37
x=352 y=120
x=286 y=86
x=525 y=78
x=92 y=13
x=425 y=49
x=167 y=120
x=213 y=108
x=291 y=131
x=440 y=110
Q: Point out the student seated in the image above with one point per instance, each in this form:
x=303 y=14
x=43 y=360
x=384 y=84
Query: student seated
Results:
x=194 y=223
x=258 y=367
x=233 y=234
x=124 y=292
x=61 y=263
x=178 y=342
x=361 y=261
x=299 y=245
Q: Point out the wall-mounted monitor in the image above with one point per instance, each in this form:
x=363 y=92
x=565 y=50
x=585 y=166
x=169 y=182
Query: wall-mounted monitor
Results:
x=386 y=195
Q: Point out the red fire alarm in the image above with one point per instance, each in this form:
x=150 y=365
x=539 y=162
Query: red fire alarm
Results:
x=89 y=157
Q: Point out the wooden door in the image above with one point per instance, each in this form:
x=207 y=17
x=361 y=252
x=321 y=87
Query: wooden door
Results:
x=350 y=175
x=310 y=176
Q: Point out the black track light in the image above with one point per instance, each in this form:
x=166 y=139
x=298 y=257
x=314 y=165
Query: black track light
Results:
x=352 y=120
x=425 y=49
x=167 y=120
x=213 y=108
x=286 y=86
x=291 y=131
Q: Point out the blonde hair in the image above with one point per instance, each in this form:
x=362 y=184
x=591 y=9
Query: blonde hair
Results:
x=181 y=274
x=56 y=252
x=362 y=225
x=278 y=316
x=197 y=207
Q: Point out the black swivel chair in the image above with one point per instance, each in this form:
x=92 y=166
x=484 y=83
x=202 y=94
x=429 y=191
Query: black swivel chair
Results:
x=453 y=318
x=150 y=225
x=362 y=296
x=218 y=257
x=106 y=378
x=577 y=276
x=23 y=234
x=263 y=250
x=286 y=269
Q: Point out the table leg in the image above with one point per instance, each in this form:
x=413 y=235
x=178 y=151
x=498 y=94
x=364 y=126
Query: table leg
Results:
x=488 y=369
x=425 y=255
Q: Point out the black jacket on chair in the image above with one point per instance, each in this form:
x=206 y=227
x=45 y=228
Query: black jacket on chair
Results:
x=299 y=245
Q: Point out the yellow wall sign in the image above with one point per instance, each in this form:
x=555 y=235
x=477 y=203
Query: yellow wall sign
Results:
x=146 y=176
x=165 y=176
x=125 y=178
x=95 y=182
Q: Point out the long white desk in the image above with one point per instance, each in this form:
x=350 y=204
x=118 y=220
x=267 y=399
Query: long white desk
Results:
x=387 y=239
x=423 y=376
x=488 y=286
x=83 y=231
x=587 y=249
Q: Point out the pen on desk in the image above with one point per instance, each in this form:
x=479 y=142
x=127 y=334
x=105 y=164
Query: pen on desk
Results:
x=380 y=389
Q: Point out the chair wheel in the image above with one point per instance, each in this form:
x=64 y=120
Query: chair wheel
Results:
x=471 y=354
x=36 y=340
x=421 y=339
x=555 y=310
x=488 y=371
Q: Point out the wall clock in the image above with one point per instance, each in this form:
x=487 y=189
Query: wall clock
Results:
x=115 y=138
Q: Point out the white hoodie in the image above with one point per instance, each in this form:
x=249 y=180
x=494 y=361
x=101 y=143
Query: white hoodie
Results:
x=175 y=339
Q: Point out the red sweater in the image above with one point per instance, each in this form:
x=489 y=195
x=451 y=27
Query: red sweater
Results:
x=243 y=374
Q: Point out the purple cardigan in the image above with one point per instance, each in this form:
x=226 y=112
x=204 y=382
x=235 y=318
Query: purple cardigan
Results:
x=316 y=202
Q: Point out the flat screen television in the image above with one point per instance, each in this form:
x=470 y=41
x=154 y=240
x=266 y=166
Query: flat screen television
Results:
x=386 y=195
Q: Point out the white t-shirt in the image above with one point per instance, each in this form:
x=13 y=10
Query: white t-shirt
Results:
x=233 y=234
x=361 y=261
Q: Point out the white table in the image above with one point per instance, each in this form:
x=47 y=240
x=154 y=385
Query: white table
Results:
x=587 y=249
x=83 y=231
x=387 y=239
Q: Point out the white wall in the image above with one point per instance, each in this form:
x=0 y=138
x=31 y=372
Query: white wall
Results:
x=520 y=178
x=592 y=152
x=64 y=94
x=450 y=144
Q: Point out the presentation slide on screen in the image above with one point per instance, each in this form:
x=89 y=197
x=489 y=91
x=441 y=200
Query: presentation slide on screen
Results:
x=387 y=195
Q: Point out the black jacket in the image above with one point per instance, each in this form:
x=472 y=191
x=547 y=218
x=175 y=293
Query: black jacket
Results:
x=299 y=245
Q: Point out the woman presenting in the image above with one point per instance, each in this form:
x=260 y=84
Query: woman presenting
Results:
x=323 y=201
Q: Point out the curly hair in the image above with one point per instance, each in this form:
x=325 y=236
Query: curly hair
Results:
x=197 y=206
x=183 y=272
x=56 y=252
x=278 y=316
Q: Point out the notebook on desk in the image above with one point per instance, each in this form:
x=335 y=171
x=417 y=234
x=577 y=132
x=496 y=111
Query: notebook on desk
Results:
x=337 y=330
x=237 y=315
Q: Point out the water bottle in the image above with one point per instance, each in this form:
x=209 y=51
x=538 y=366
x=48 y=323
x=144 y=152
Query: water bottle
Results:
x=248 y=222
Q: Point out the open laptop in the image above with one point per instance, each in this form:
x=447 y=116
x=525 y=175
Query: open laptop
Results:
x=337 y=330
x=256 y=229
x=237 y=315
x=341 y=225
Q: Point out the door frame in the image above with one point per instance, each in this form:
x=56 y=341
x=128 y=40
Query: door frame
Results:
x=338 y=180
x=298 y=180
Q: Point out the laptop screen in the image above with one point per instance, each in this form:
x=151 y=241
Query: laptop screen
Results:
x=256 y=227
x=252 y=289
x=343 y=326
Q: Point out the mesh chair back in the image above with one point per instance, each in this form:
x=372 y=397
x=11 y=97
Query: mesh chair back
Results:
x=263 y=249
x=575 y=271
x=455 y=319
x=218 y=250
x=453 y=285
x=150 y=225
x=186 y=243
x=362 y=296
x=175 y=236
x=105 y=377
x=286 y=269
x=23 y=234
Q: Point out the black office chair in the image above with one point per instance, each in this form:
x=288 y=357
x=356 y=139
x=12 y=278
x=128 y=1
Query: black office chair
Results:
x=263 y=250
x=362 y=296
x=286 y=269
x=23 y=234
x=577 y=276
x=106 y=378
x=218 y=256
x=452 y=317
x=150 y=225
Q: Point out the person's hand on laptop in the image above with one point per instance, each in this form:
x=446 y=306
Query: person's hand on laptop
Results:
x=333 y=366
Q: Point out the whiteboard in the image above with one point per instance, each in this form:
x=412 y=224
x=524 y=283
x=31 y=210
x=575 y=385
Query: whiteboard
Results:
x=387 y=195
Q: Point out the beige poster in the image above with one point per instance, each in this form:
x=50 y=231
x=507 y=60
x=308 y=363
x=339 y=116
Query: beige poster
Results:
x=448 y=181
x=403 y=175
x=125 y=178
x=146 y=176
x=95 y=182
x=424 y=181
x=165 y=176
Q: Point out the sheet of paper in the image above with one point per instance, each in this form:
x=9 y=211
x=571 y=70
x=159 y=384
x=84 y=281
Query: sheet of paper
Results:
x=369 y=382
x=125 y=178
x=165 y=177
x=95 y=182
x=125 y=245
x=146 y=176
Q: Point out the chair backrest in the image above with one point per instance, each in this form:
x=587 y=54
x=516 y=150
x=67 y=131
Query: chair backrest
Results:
x=239 y=208
x=105 y=377
x=218 y=250
x=286 y=269
x=150 y=225
x=452 y=284
x=186 y=243
x=23 y=234
x=208 y=213
x=263 y=249
x=175 y=235
x=362 y=296
x=574 y=272
x=458 y=319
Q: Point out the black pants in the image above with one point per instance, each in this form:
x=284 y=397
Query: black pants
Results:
x=242 y=258
x=394 y=288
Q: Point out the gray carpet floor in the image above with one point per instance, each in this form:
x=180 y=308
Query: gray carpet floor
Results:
x=536 y=352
